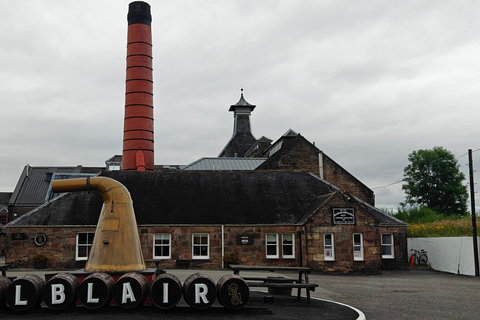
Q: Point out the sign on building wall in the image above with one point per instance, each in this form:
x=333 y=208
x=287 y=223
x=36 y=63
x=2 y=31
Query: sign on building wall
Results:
x=343 y=216
x=244 y=239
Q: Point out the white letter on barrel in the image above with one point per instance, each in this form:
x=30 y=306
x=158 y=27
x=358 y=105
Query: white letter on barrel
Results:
x=201 y=291
x=90 y=299
x=18 y=292
x=58 y=294
x=127 y=293
x=165 y=292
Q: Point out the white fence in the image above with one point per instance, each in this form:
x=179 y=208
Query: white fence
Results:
x=452 y=254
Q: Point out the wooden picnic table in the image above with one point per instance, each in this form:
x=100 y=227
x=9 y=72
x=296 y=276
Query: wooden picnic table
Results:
x=4 y=269
x=302 y=282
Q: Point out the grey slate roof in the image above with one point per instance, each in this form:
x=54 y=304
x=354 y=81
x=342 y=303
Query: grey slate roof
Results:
x=225 y=164
x=198 y=198
x=34 y=182
x=193 y=197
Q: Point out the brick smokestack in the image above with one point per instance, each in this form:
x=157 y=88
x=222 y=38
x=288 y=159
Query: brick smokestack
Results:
x=138 y=124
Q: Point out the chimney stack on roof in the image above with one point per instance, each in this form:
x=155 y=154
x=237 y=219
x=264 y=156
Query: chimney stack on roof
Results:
x=138 y=124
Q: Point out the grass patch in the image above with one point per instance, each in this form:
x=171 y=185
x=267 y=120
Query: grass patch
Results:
x=444 y=228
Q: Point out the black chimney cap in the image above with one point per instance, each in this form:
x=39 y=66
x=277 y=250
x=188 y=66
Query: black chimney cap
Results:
x=139 y=12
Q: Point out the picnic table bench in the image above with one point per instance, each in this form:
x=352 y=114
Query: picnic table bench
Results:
x=4 y=269
x=279 y=282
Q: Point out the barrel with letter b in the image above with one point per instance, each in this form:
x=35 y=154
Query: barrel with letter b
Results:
x=199 y=291
x=60 y=292
x=232 y=292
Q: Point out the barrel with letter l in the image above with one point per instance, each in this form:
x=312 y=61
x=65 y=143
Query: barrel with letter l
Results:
x=131 y=290
x=25 y=292
x=165 y=291
x=199 y=291
x=232 y=292
x=60 y=292
x=96 y=290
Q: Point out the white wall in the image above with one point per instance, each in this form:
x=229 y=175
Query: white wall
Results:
x=452 y=254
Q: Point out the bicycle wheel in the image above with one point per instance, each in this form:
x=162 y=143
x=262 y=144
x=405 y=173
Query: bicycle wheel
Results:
x=423 y=260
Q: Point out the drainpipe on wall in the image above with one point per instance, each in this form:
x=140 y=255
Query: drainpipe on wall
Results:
x=223 y=245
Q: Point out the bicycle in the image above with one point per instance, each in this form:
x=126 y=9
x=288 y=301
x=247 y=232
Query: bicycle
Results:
x=419 y=257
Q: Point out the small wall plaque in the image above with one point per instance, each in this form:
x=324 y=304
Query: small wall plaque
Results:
x=19 y=236
x=244 y=239
x=343 y=216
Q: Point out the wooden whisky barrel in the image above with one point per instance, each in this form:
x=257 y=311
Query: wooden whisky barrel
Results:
x=96 y=290
x=165 y=291
x=25 y=292
x=4 y=283
x=60 y=292
x=131 y=290
x=199 y=291
x=232 y=292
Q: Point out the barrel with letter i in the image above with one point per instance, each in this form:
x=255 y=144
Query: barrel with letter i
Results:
x=96 y=290
x=25 y=293
x=60 y=292
x=165 y=291
x=131 y=290
x=232 y=292
x=199 y=291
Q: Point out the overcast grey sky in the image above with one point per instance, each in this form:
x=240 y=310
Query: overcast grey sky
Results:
x=367 y=81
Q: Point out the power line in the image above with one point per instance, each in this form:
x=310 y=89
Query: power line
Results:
x=391 y=184
x=388 y=185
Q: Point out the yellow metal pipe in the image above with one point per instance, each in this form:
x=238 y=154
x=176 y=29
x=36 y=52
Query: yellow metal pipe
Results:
x=116 y=246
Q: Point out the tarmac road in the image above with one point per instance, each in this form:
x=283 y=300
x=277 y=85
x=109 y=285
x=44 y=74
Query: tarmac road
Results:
x=410 y=294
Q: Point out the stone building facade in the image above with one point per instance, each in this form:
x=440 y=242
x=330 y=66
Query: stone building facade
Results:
x=261 y=218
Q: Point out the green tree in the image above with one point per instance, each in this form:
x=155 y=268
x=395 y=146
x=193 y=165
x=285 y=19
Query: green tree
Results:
x=433 y=179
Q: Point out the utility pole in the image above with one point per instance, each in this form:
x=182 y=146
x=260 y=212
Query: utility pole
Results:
x=474 y=218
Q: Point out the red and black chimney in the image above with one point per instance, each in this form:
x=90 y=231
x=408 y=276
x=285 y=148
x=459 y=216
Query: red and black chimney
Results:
x=138 y=124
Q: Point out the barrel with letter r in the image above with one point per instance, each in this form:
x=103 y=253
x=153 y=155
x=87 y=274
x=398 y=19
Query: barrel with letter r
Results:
x=131 y=290
x=96 y=290
x=165 y=291
x=60 y=292
x=25 y=293
x=232 y=292
x=199 y=291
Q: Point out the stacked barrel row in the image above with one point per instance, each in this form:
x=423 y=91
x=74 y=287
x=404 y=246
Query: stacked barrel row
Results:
x=131 y=290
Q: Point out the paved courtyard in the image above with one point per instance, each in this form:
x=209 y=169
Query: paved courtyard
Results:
x=413 y=294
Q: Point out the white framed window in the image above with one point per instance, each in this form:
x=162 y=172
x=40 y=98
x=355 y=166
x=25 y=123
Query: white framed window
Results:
x=328 y=247
x=272 y=245
x=162 y=246
x=387 y=246
x=357 y=247
x=288 y=246
x=200 y=246
x=83 y=245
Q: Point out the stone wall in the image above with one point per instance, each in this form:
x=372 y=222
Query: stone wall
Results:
x=336 y=175
x=59 y=248
x=344 y=262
